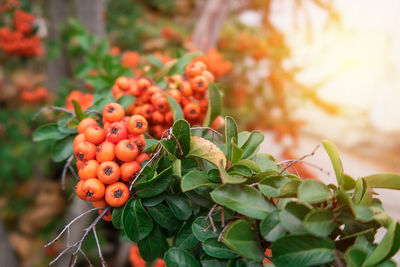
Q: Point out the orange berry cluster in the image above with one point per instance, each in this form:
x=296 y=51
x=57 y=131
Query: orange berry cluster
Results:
x=108 y=158
x=84 y=99
x=21 y=41
x=37 y=95
x=189 y=91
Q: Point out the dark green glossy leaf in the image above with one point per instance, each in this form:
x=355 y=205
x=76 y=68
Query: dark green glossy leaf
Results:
x=319 y=222
x=252 y=144
x=153 y=246
x=313 y=191
x=243 y=199
x=240 y=238
x=48 y=132
x=62 y=149
x=202 y=229
x=136 y=222
x=217 y=249
x=164 y=217
x=195 y=179
x=302 y=250
x=265 y=161
x=185 y=238
x=271 y=228
x=156 y=185
x=153 y=201
x=117 y=217
x=292 y=217
x=271 y=186
x=181 y=131
x=226 y=178
x=214 y=105
x=179 y=206
x=176 y=257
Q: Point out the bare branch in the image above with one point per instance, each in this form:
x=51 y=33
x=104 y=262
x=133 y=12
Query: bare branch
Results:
x=206 y=128
x=70 y=223
x=177 y=143
x=103 y=262
x=51 y=108
x=64 y=172
x=298 y=160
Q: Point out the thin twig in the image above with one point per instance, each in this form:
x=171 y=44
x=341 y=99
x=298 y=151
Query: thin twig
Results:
x=177 y=143
x=222 y=217
x=71 y=169
x=70 y=223
x=298 y=160
x=87 y=258
x=51 y=108
x=145 y=165
x=223 y=231
x=206 y=128
x=337 y=261
x=64 y=172
x=87 y=112
x=78 y=245
x=103 y=262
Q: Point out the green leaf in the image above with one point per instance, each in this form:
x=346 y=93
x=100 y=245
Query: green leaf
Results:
x=229 y=179
x=292 y=216
x=181 y=131
x=180 y=65
x=313 y=191
x=179 y=206
x=155 y=61
x=62 y=149
x=363 y=213
x=199 y=227
x=136 y=222
x=199 y=199
x=271 y=186
x=271 y=228
x=48 y=132
x=383 y=180
x=117 y=217
x=348 y=182
x=319 y=222
x=108 y=64
x=153 y=201
x=80 y=115
x=243 y=199
x=175 y=108
x=290 y=189
x=156 y=185
x=216 y=249
x=333 y=154
x=250 y=164
x=153 y=246
x=185 y=238
x=214 y=105
x=207 y=261
x=202 y=148
x=240 y=238
x=385 y=247
x=355 y=257
x=302 y=250
x=82 y=70
x=126 y=100
x=241 y=170
x=252 y=144
x=164 y=217
x=195 y=179
x=231 y=136
x=176 y=257
x=100 y=103
x=243 y=136
x=236 y=152
x=265 y=161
